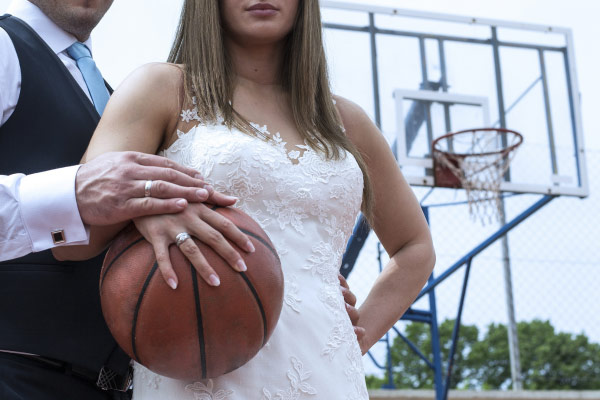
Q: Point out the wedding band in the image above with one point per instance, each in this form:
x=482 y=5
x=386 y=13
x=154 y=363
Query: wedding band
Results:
x=148 y=189
x=182 y=237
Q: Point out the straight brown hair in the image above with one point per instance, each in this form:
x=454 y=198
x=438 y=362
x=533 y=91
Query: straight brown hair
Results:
x=209 y=77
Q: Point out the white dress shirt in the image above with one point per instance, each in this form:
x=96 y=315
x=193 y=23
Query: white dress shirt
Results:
x=33 y=206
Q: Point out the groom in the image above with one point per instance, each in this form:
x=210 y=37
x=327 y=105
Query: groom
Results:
x=54 y=343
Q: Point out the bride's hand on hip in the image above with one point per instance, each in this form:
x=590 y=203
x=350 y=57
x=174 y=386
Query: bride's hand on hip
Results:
x=350 y=300
x=203 y=223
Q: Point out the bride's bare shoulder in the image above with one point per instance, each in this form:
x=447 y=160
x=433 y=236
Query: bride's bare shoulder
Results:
x=154 y=78
x=152 y=89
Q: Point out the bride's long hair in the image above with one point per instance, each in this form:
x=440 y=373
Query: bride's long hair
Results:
x=209 y=77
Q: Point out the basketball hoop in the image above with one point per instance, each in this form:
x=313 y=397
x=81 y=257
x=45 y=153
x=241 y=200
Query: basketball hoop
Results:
x=476 y=160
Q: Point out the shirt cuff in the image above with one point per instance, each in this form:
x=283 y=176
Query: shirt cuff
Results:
x=49 y=209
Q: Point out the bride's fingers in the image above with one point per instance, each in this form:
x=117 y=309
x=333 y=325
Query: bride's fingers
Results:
x=161 y=250
x=195 y=256
x=227 y=229
x=352 y=313
x=349 y=297
x=217 y=242
x=359 y=332
x=343 y=281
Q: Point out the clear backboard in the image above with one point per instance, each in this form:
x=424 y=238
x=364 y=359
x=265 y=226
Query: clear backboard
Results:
x=421 y=75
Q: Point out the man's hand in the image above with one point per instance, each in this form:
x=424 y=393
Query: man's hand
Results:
x=208 y=226
x=110 y=188
x=350 y=300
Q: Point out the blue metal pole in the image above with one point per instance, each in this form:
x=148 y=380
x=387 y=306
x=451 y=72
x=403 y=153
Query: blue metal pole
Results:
x=390 y=369
x=355 y=244
x=485 y=244
x=456 y=330
x=435 y=333
x=375 y=360
x=435 y=347
x=417 y=315
x=416 y=350
x=389 y=366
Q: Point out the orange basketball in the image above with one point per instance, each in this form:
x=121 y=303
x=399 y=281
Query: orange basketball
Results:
x=196 y=331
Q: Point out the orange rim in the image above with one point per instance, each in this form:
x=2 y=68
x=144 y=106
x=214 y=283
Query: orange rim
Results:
x=505 y=150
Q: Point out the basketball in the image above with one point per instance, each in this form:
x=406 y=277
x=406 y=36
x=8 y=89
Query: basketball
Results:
x=195 y=331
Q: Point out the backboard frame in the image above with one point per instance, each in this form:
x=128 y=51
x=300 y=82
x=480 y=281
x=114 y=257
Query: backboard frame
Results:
x=558 y=183
x=434 y=97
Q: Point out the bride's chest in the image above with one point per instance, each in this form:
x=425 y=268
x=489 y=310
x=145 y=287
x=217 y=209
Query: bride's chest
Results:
x=253 y=169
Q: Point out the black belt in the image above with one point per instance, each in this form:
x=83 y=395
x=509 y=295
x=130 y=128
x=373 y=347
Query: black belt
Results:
x=64 y=367
x=105 y=379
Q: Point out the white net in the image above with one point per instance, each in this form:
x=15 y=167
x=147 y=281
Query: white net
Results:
x=477 y=161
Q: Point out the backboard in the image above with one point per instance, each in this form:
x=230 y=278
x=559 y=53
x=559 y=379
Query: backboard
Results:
x=421 y=75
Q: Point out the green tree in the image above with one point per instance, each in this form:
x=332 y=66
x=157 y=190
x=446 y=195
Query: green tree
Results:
x=489 y=360
x=549 y=359
x=410 y=372
x=374 y=382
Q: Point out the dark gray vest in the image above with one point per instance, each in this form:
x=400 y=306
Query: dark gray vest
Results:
x=48 y=307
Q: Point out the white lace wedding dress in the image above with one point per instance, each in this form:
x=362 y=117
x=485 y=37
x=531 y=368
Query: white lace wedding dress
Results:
x=307 y=205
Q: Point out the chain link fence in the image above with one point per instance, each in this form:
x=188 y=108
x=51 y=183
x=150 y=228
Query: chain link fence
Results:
x=554 y=259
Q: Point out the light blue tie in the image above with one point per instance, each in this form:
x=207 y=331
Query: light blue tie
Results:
x=93 y=79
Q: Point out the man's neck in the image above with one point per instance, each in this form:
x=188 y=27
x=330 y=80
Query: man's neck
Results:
x=54 y=35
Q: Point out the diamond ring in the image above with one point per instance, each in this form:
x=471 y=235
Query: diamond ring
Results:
x=182 y=237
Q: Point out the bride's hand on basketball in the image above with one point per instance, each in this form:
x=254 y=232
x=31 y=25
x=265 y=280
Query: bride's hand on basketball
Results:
x=206 y=225
x=350 y=300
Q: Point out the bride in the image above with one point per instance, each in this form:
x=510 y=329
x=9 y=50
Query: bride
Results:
x=246 y=101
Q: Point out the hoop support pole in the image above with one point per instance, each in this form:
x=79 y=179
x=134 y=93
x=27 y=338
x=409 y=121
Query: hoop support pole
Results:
x=416 y=350
x=375 y=74
x=456 y=330
x=486 y=243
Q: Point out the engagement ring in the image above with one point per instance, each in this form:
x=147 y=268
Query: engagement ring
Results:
x=182 y=237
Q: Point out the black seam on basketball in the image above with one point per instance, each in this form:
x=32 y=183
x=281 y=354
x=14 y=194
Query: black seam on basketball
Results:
x=117 y=257
x=199 y=321
x=137 y=309
x=263 y=241
x=259 y=303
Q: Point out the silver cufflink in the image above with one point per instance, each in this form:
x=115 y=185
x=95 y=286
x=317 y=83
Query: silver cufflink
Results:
x=58 y=236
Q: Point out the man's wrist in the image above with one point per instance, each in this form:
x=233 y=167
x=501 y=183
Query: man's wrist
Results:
x=49 y=209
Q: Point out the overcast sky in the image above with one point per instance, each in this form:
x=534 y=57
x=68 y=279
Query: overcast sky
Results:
x=140 y=31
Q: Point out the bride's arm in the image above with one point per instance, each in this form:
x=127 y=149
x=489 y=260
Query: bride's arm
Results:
x=140 y=113
x=399 y=224
x=141 y=116
x=136 y=118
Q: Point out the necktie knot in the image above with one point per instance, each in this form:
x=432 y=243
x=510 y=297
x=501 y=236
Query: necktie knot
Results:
x=91 y=75
x=78 y=51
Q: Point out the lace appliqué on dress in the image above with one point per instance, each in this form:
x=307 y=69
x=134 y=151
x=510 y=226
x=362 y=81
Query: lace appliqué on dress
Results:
x=355 y=373
x=292 y=291
x=299 y=386
x=149 y=378
x=324 y=261
x=287 y=208
x=206 y=391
